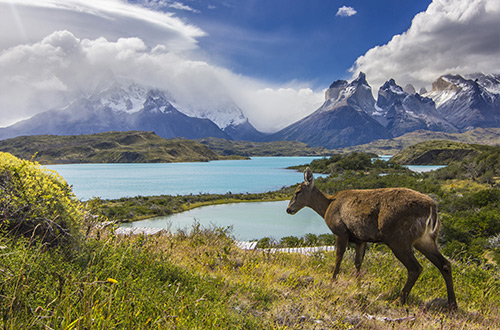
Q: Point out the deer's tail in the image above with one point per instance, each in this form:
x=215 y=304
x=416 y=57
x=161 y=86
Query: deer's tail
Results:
x=432 y=224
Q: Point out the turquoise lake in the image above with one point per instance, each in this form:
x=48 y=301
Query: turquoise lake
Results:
x=248 y=220
x=111 y=181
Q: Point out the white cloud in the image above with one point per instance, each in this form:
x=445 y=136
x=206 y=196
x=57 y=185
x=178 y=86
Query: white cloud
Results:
x=51 y=50
x=165 y=4
x=28 y=21
x=181 y=6
x=346 y=11
x=451 y=36
x=43 y=75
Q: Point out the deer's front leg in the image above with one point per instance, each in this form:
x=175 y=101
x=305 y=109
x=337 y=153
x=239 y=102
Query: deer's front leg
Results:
x=340 y=246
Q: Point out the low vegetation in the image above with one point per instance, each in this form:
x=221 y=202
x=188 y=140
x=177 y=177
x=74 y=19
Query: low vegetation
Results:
x=356 y=161
x=262 y=149
x=141 y=207
x=111 y=147
x=37 y=203
x=199 y=279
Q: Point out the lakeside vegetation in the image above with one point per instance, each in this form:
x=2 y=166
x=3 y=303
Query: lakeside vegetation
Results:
x=128 y=209
x=110 y=147
x=84 y=276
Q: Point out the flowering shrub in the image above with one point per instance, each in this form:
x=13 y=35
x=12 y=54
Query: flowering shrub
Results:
x=37 y=202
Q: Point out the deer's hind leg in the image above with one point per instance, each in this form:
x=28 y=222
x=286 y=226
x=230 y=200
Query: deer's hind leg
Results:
x=360 y=254
x=404 y=253
x=430 y=250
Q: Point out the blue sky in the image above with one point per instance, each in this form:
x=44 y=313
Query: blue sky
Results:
x=272 y=58
x=285 y=40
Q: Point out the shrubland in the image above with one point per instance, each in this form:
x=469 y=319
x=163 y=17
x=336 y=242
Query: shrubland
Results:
x=86 y=277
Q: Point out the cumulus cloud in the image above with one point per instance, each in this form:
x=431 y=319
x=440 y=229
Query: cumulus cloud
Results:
x=451 y=36
x=46 y=74
x=52 y=51
x=346 y=11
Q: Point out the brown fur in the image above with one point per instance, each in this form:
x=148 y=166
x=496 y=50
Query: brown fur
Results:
x=399 y=217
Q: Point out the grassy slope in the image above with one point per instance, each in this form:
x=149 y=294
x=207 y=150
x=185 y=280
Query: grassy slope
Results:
x=436 y=152
x=277 y=148
x=200 y=280
x=487 y=136
x=111 y=147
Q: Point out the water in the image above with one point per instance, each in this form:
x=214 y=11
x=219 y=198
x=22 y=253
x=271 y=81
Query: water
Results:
x=248 y=220
x=112 y=181
x=424 y=168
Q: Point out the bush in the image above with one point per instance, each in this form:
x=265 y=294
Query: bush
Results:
x=37 y=203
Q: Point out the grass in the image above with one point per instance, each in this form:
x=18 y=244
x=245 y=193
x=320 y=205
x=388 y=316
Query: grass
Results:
x=198 y=279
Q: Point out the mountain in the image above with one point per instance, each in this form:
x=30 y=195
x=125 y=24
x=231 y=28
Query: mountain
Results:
x=350 y=115
x=403 y=111
x=110 y=147
x=343 y=120
x=227 y=115
x=88 y=116
x=468 y=102
x=121 y=106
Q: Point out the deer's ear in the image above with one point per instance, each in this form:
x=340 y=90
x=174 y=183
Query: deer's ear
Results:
x=308 y=176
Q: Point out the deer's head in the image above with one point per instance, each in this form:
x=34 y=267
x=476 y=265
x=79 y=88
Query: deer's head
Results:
x=303 y=194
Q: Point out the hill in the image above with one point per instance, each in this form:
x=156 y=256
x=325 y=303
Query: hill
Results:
x=278 y=148
x=486 y=136
x=111 y=147
x=436 y=152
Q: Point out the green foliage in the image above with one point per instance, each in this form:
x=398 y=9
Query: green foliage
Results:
x=469 y=220
x=482 y=167
x=356 y=161
x=36 y=202
x=293 y=241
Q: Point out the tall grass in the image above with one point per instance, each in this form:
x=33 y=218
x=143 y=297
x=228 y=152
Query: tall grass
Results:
x=200 y=280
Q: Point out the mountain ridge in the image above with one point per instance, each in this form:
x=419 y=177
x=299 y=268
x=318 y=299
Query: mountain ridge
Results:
x=345 y=118
x=349 y=116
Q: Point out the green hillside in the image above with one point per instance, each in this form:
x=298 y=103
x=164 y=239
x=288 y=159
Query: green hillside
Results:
x=248 y=149
x=111 y=147
x=437 y=152
x=486 y=136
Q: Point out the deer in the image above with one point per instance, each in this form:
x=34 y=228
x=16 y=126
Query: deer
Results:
x=401 y=218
